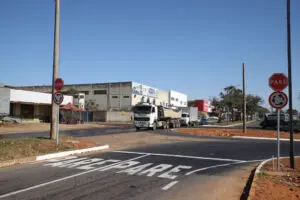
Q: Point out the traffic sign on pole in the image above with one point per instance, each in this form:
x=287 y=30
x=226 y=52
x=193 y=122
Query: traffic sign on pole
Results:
x=278 y=100
x=58 y=84
x=58 y=98
x=278 y=81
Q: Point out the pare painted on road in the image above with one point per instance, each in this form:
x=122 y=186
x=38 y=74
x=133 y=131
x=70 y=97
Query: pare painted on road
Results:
x=129 y=167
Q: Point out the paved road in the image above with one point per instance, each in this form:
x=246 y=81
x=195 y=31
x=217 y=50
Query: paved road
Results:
x=202 y=169
x=76 y=133
x=119 y=129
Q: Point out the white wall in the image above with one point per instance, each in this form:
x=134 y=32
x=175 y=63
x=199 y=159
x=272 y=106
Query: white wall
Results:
x=23 y=96
x=4 y=101
x=178 y=99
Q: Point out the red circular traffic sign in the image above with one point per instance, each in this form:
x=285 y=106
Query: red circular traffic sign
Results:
x=278 y=100
x=58 y=98
x=278 y=81
x=58 y=84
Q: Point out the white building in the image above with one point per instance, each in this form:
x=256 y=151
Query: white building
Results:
x=177 y=99
x=27 y=105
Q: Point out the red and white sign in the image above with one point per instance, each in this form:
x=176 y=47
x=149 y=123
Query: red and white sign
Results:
x=58 y=98
x=278 y=81
x=58 y=84
x=278 y=100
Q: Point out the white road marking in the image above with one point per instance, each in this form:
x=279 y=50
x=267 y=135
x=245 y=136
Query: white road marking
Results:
x=62 y=179
x=169 y=175
x=222 y=165
x=89 y=167
x=121 y=165
x=136 y=169
x=153 y=170
x=169 y=185
x=64 y=162
x=179 y=156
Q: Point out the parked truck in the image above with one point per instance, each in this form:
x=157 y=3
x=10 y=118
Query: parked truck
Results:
x=151 y=116
x=189 y=116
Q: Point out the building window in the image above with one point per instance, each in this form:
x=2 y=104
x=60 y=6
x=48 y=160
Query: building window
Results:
x=176 y=99
x=81 y=96
x=126 y=97
x=100 y=92
x=172 y=98
x=114 y=97
x=85 y=92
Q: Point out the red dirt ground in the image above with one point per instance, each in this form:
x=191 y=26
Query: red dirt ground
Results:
x=273 y=185
x=234 y=132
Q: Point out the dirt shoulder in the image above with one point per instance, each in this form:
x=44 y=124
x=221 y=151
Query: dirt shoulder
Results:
x=283 y=185
x=42 y=127
x=14 y=149
x=234 y=132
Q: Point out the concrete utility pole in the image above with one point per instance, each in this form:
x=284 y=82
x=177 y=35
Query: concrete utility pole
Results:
x=289 y=57
x=244 y=101
x=55 y=107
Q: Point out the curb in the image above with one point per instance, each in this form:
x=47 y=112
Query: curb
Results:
x=52 y=155
x=68 y=153
x=263 y=138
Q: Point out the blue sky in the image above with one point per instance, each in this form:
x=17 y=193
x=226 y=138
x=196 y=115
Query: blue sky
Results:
x=193 y=46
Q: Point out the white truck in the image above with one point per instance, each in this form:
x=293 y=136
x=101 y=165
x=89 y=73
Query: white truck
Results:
x=150 y=116
x=189 y=116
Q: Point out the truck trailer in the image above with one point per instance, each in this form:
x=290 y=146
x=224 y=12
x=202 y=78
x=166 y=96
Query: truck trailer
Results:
x=150 y=116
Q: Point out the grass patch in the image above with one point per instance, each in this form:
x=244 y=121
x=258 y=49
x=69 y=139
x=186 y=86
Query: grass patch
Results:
x=11 y=149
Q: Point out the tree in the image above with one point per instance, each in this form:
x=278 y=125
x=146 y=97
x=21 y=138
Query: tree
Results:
x=231 y=99
x=218 y=107
x=252 y=104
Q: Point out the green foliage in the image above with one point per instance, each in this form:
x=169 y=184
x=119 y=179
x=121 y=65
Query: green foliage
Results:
x=231 y=99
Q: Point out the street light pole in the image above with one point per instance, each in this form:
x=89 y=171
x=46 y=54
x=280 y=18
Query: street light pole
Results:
x=289 y=57
x=55 y=107
x=244 y=101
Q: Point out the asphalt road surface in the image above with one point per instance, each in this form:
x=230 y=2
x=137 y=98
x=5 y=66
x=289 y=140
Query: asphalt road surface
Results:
x=201 y=169
x=76 y=133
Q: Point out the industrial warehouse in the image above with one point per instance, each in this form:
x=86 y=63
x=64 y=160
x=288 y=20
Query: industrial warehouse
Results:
x=114 y=101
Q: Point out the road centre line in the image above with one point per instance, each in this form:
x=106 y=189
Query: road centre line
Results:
x=66 y=178
x=222 y=165
x=180 y=156
x=166 y=187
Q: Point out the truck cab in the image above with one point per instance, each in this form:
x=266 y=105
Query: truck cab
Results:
x=145 y=116
x=185 y=119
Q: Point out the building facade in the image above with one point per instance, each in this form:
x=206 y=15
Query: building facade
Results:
x=101 y=98
x=29 y=106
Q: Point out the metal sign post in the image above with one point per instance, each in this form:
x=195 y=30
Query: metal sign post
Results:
x=278 y=100
x=58 y=98
x=278 y=139
x=57 y=130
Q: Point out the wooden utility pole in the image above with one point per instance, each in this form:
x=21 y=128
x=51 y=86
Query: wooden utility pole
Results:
x=289 y=57
x=55 y=107
x=244 y=101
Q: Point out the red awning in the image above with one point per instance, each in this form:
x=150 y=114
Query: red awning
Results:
x=71 y=107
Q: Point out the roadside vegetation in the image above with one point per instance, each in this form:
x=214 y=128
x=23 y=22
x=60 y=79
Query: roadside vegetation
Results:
x=12 y=149
x=230 y=104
